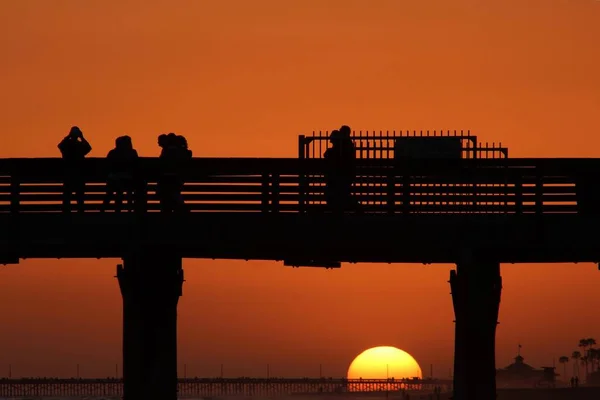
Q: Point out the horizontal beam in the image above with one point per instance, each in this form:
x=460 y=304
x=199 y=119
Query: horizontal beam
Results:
x=52 y=168
x=424 y=238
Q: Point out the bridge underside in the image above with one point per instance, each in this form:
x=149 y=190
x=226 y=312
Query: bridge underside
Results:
x=304 y=238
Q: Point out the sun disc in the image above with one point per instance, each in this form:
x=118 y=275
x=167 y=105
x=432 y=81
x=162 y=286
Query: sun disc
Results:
x=384 y=362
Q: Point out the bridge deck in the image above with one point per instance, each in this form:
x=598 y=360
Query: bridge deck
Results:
x=304 y=238
x=516 y=210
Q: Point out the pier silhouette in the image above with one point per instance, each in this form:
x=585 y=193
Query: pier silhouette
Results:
x=418 y=198
x=209 y=387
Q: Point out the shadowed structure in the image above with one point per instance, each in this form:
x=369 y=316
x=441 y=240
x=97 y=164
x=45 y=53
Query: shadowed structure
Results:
x=476 y=207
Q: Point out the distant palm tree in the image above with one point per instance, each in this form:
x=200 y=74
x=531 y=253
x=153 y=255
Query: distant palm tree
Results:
x=576 y=356
x=594 y=355
x=584 y=343
x=564 y=360
x=591 y=343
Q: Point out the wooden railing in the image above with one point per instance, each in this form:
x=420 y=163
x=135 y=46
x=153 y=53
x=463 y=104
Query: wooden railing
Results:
x=293 y=185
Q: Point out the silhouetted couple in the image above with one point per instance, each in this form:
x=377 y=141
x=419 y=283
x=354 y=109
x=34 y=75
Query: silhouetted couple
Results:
x=340 y=171
x=574 y=382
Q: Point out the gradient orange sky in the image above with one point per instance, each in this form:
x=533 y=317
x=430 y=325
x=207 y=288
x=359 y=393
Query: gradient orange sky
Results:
x=244 y=78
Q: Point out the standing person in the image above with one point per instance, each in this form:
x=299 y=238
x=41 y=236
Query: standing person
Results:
x=73 y=148
x=122 y=173
x=174 y=154
x=340 y=173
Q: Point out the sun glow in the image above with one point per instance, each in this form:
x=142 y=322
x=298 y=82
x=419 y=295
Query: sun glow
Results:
x=384 y=362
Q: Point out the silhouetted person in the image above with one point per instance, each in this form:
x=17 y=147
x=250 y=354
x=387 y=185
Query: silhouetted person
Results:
x=174 y=154
x=340 y=170
x=74 y=148
x=122 y=176
x=576 y=381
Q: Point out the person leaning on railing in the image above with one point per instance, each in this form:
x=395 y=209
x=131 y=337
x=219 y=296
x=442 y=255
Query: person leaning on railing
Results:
x=73 y=148
x=122 y=176
x=174 y=153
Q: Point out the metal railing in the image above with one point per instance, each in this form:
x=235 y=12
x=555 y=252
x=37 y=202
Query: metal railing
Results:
x=291 y=185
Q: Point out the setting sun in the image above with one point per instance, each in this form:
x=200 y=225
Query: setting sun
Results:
x=384 y=362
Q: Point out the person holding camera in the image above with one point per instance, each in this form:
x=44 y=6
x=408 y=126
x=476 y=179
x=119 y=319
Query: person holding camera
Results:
x=74 y=147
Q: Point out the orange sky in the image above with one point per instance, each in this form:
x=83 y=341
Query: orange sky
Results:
x=244 y=78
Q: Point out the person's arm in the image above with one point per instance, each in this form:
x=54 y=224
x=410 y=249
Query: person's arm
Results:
x=85 y=147
x=62 y=144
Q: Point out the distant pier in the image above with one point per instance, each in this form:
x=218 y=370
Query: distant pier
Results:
x=210 y=387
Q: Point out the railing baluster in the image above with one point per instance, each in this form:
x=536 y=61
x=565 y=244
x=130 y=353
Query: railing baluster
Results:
x=539 y=192
x=275 y=190
x=519 y=194
x=391 y=190
x=265 y=192
x=405 y=192
x=15 y=194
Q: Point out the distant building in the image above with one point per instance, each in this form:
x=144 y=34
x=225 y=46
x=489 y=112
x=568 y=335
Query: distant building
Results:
x=519 y=374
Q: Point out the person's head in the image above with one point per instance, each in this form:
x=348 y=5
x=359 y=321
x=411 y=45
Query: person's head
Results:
x=334 y=136
x=171 y=139
x=181 y=141
x=124 y=142
x=75 y=132
x=345 y=131
x=162 y=140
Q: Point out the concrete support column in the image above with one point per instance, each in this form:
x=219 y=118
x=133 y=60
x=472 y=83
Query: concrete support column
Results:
x=151 y=284
x=476 y=288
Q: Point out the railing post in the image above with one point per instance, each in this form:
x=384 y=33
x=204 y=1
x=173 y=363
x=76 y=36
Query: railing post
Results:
x=275 y=193
x=519 y=194
x=265 y=193
x=539 y=192
x=15 y=194
x=405 y=192
x=302 y=174
x=391 y=190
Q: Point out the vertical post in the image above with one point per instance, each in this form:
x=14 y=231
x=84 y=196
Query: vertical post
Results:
x=275 y=189
x=151 y=284
x=265 y=197
x=539 y=192
x=476 y=288
x=391 y=190
x=519 y=194
x=15 y=192
x=301 y=147
x=405 y=191
x=301 y=174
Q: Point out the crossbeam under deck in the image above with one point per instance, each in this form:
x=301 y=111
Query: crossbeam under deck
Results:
x=286 y=236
